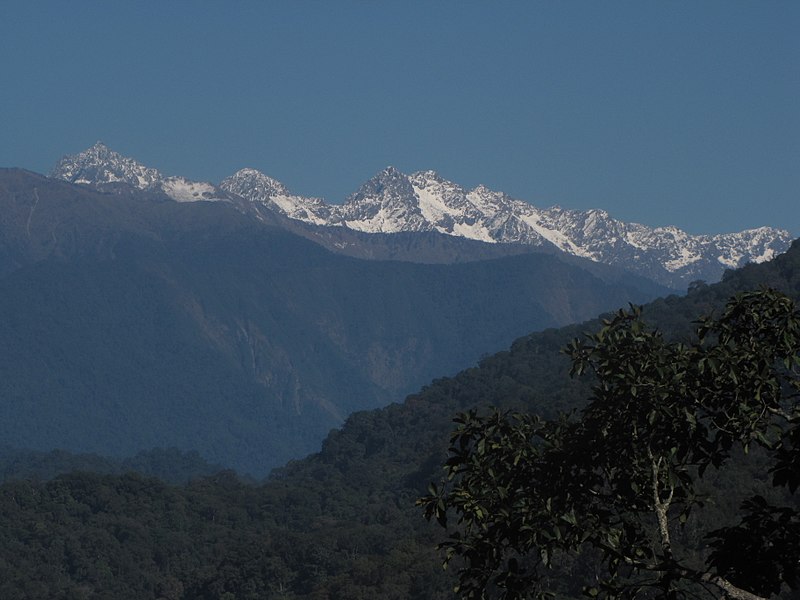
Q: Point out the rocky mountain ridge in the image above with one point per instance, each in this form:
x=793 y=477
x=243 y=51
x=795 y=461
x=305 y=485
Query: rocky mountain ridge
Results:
x=393 y=202
x=102 y=168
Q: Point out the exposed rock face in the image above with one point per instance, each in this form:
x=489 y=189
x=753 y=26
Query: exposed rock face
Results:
x=102 y=168
x=392 y=202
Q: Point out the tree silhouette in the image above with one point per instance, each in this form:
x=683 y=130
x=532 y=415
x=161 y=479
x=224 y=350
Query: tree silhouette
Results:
x=619 y=481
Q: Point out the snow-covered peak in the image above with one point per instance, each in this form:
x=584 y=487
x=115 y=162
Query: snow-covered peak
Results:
x=254 y=185
x=389 y=184
x=100 y=165
x=102 y=168
x=384 y=204
x=261 y=189
x=427 y=177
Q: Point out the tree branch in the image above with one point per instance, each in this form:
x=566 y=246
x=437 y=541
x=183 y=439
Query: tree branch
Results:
x=731 y=591
x=661 y=507
x=778 y=412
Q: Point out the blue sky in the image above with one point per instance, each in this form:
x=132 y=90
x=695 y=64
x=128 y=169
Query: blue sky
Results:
x=684 y=113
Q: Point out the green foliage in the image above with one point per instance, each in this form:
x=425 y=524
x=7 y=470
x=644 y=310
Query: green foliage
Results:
x=618 y=478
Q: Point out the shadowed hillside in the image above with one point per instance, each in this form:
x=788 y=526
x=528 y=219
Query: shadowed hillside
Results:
x=338 y=524
x=134 y=322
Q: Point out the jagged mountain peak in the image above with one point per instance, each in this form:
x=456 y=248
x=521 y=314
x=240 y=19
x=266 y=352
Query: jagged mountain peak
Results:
x=390 y=171
x=100 y=166
x=389 y=184
x=261 y=184
x=427 y=174
x=100 y=149
x=434 y=180
x=391 y=176
x=265 y=192
x=386 y=203
x=485 y=191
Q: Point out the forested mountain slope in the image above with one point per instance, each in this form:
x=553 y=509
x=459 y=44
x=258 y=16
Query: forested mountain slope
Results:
x=168 y=464
x=338 y=524
x=132 y=322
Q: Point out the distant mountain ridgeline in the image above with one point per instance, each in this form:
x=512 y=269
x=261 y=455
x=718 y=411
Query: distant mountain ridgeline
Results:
x=392 y=202
x=338 y=524
x=132 y=321
x=170 y=465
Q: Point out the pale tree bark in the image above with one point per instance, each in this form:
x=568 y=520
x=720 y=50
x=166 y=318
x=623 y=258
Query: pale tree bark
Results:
x=730 y=590
x=661 y=507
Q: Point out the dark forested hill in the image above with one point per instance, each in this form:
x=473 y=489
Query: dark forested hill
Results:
x=338 y=524
x=130 y=322
x=168 y=464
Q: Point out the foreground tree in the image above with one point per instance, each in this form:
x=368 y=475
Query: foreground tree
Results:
x=616 y=482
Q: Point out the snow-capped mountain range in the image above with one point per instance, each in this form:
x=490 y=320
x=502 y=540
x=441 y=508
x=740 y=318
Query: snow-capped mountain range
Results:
x=393 y=202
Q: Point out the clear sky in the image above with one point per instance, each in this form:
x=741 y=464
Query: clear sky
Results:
x=682 y=112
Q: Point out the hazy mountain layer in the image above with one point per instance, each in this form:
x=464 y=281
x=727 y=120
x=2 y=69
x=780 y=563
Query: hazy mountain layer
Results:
x=135 y=322
x=341 y=523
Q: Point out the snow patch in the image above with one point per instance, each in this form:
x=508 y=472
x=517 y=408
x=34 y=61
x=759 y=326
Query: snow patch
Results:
x=435 y=210
x=686 y=258
x=183 y=190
